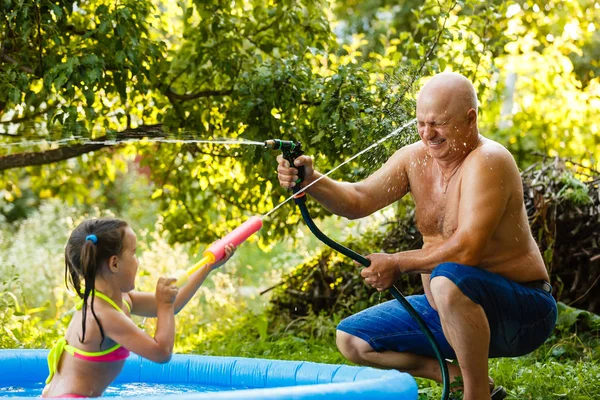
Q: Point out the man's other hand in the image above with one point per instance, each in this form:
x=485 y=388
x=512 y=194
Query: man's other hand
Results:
x=383 y=271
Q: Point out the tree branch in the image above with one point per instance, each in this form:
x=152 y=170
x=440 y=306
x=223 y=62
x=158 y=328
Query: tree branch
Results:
x=72 y=29
x=29 y=159
x=310 y=103
x=264 y=28
x=9 y=59
x=39 y=39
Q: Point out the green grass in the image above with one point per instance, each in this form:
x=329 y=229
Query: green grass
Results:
x=251 y=335
x=567 y=366
x=34 y=309
x=528 y=378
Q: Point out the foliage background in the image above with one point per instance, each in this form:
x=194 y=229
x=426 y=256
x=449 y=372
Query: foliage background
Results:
x=78 y=80
x=334 y=75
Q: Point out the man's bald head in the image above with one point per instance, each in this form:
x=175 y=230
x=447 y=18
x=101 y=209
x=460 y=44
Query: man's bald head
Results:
x=447 y=116
x=450 y=91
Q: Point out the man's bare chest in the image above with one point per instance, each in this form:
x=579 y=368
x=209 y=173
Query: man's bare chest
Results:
x=436 y=211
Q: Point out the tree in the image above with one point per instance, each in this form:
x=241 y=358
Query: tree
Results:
x=204 y=70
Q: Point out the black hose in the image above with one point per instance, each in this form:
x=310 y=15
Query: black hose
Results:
x=301 y=202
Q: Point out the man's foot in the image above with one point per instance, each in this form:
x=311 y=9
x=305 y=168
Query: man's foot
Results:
x=456 y=390
x=498 y=393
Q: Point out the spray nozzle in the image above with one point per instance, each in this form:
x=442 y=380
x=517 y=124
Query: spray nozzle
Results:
x=291 y=150
x=283 y=145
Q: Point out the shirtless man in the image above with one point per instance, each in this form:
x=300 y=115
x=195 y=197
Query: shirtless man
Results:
x=486 y=291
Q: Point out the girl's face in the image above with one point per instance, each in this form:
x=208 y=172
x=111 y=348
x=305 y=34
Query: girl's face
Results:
x=128 y=263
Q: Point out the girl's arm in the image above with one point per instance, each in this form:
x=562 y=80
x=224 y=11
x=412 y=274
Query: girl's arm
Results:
x=144 y=303
x=121 y=329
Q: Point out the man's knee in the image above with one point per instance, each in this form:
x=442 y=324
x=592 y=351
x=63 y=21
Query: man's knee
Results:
x=446 y=294
x=352 y=348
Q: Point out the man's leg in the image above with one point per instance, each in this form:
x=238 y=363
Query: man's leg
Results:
x=360 y=352
x=466 y=327
x=386 y=336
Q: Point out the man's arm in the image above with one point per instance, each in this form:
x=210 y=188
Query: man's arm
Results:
x=355 y=200
x=486 y=187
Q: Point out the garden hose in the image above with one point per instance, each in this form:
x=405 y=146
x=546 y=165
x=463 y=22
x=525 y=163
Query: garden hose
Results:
x=291 y=150
x=301 y=202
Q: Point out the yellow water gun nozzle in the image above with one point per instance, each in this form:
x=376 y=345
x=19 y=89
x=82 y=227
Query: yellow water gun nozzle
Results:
x=183 y=275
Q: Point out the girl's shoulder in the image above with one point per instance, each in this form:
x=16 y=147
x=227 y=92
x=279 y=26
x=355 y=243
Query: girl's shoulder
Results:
x=107 y=303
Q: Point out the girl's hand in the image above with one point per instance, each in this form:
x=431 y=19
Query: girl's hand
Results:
x=166 y=291
x=229 y=251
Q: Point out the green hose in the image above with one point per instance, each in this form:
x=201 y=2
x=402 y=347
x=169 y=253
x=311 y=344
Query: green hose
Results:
x=301 y=202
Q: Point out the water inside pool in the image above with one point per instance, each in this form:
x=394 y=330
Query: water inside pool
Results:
x=135 y=389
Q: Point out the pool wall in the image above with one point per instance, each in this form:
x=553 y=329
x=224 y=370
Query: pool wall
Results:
x=261 y=378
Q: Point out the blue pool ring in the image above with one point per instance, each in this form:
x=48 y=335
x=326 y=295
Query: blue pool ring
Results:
x=262 y=379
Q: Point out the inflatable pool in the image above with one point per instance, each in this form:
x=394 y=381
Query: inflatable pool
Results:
x=201 y=377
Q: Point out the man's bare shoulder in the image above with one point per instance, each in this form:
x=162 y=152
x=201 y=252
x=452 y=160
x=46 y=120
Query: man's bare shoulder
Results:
x=409 y=157
x=491 y=154
x=492 y=166
x=412 y=152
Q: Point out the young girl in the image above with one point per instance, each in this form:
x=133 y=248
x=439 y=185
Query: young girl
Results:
x=101 y=263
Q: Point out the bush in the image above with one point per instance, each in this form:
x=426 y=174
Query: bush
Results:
x=32 y=294
x=35 y=305
x=564 y=214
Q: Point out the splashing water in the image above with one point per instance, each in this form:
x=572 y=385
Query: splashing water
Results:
x=109 y=142
x=112 y=142
x=243 y=141
x=377 y=143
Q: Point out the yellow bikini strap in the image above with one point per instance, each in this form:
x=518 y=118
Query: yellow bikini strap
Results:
x=72 y=350
x=54 y=357
x=106 y=299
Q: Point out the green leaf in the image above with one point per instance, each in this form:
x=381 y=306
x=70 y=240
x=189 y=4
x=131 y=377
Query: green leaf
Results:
x=14 y=95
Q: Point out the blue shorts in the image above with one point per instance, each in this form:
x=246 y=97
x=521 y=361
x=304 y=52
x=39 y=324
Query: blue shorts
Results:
x=521 y=318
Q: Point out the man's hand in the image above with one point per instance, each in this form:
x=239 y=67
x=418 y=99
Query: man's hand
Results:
x=289 y=175
x=383 y=271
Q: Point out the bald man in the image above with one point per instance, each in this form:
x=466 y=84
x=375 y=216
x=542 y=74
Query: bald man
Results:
x=486 y=287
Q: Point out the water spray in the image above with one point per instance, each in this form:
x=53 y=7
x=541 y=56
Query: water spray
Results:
x=216 y=251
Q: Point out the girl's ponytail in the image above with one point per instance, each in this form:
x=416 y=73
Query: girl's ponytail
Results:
x=89 y=268
x=90 y=245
